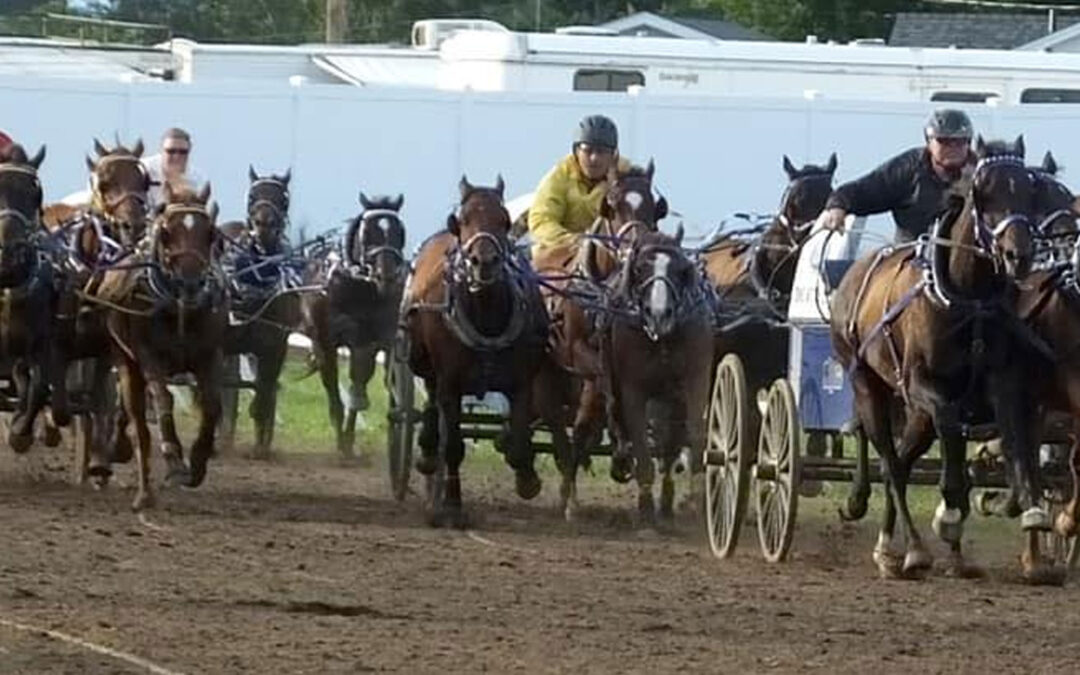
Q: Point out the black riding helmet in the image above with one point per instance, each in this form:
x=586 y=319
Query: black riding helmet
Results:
x=599 y=131
x=948 y=123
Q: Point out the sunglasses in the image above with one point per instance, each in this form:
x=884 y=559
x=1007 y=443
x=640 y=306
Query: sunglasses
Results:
x=177 y=151
x=597 y=150
x=954 y=142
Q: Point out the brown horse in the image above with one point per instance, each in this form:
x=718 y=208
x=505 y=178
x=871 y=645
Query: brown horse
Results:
x=263 y=277
x=628 y=210
x=359 y=307
x=656 y=344
x=475 y=323
x=28 y=298
x=95 y=239
x=167 y=318
x=932 y=341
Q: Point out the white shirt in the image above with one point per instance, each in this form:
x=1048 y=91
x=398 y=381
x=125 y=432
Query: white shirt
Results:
x=192 y=178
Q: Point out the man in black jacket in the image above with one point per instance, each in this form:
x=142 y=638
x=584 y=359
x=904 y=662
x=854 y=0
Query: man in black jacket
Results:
x=914 y=184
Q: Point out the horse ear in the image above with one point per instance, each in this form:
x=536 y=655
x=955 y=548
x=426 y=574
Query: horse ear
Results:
x=453 y=225
x=204 y=193
x=661 y=208
x=831 y=166
x=252 y=176
x=37 y=159
x=213 y=212
x=500 y=186
x=980 y=146
x=1019 y=145
x=138 y=149
x=679 y=235
x=1049 y=164
x=364 y=201
x=650 y=169
x=99 y=148
x=789 y=168
x=606 y=211
x=90 y=164
x=399 y=202
x=464 y=187
x=287 y=177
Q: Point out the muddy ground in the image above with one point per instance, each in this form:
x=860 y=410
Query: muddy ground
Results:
x=306 y=565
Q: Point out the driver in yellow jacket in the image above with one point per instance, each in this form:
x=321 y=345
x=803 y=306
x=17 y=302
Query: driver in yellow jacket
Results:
x=567 y=201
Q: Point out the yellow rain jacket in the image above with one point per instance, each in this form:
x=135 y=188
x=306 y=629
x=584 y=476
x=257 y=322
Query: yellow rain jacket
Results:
x=564 y=206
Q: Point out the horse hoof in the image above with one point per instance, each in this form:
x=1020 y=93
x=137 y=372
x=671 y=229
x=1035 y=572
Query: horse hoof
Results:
x=457 y=518
x=61 y=418
x=958 y=568
x=177 y=475
x=1065 y=525
x=20 y=443
x=948 y=524
x=982 y=502
x=917 y=563
x=622 y=469
x=1035 y=518
x=143 y=501
x=527 y=483
x=53 y=436
x=122 y=452
x=570 y=513
x=100 y=482
x=810 y=488
x=435 y=518
x=1044 y=575
x=888 y=563
x=427 y=466
x=195 y=475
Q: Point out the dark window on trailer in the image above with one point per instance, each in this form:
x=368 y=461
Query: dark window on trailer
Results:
x=963 y=96
x=607 y=80
x=1050 y=96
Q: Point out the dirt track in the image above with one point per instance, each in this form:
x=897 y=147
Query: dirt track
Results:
x=305 y=566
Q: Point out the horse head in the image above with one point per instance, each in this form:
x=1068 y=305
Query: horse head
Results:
x=1057 y=213
x=1004 y=199
x=629 y=206
x=119 y=185
x=376 y=240
x=482 y=227
x=20 y=209
x=805 y=196
x=660 y=281
x=183 y=242
x=268 y=210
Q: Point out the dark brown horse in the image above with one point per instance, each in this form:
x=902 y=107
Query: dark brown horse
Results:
x=656 y=344
x=475 y=324
x=358 y=308
x=168 y=318
x=28 y=298
x=935 y=346
x=629 y=209
x=264 y=277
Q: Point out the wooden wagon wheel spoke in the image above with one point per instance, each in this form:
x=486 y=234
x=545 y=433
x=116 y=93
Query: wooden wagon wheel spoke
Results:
x=777 y=474
x=727 y=456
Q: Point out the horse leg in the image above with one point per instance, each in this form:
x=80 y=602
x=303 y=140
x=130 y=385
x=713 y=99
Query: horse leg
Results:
x=55 y=367
x=588 y=423
x=858 y=500
x=953 y=510
x=32 y=400
x=1066 y=523
x=452 y=453
x=521 y=456
x=550 y=393
x=1014 y=410
x=633 y=402
x=230 y=404
x=177 y=471
x=622 y=452
x=872 y=409
x=326 y=358
x=361 y=370
x=133 y=396
x=264 y=406
x=208 y=396
x=93 y=423
x=428 y=438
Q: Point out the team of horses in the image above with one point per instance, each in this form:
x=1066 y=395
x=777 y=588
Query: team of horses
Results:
x=968 y=331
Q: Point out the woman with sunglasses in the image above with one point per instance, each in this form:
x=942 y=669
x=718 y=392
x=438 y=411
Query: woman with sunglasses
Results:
x=914 y=184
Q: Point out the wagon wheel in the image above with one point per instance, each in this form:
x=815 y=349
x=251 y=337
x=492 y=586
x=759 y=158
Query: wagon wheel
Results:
x=401 y=394
x=776 y=483
x=727 y=456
